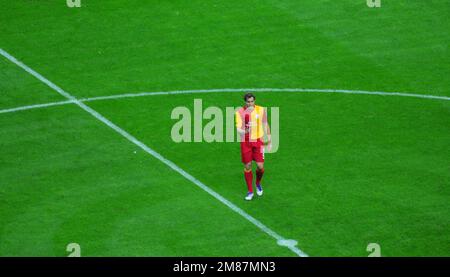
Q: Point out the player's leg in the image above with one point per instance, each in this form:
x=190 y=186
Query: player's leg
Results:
x=258 y=157
x=246 y=153
x=248 y=175
x=259 y=175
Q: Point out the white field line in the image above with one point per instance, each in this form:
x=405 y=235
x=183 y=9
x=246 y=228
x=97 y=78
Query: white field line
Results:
x=290 y=244
x=306 y=90
x=141 y=94
x=36 y=106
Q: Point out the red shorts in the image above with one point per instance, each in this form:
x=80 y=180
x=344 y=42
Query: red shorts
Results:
x=252 y=150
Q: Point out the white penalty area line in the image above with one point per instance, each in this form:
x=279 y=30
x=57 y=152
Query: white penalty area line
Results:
x=305 y=90
x=290 y=244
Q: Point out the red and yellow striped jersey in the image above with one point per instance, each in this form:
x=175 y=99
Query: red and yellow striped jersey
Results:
x=253 y=120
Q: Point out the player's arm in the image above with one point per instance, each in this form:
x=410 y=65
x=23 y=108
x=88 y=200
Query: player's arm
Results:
x=239 y=124
x=266 y=127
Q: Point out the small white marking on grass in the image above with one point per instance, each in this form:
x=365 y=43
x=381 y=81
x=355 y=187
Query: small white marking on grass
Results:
x=150 y=151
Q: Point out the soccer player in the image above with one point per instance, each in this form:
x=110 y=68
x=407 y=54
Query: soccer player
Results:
x=251 y=124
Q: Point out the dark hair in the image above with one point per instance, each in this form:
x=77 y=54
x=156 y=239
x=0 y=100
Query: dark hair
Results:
x=249 y=95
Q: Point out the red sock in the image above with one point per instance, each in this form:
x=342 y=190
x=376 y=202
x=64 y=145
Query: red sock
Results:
x=249 y=179
x=259 y=175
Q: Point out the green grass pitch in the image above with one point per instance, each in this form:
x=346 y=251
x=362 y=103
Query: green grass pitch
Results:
x=352 y=169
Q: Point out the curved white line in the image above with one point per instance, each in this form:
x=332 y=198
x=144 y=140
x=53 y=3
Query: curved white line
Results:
x=36 y=106
x=142 y=94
